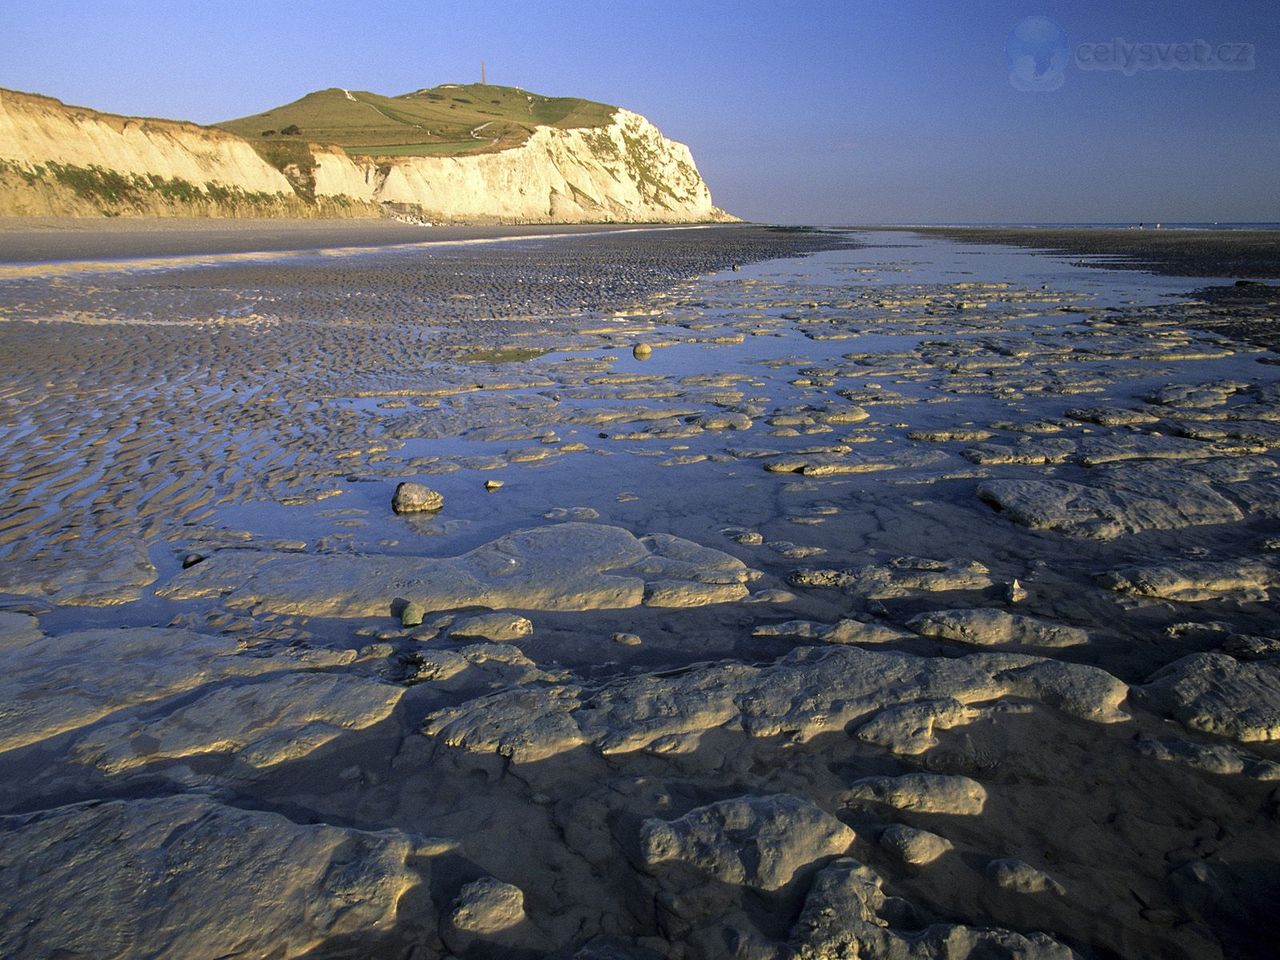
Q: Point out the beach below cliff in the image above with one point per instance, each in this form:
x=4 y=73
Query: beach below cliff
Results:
x=682 y=593
x=56 y=239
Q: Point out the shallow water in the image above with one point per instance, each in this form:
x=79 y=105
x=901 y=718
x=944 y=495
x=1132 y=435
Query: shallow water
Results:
x=834 y=411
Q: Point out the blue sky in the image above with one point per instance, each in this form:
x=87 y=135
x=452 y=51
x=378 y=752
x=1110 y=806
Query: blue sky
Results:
x=804 y=111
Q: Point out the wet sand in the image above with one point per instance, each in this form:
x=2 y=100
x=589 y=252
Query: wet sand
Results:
x=1239 y=254
x=1247 y=310
x=887 y=596
x=49 y=239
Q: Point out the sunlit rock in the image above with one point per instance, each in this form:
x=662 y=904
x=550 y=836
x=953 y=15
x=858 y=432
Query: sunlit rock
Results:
x=261 y=724
x=810 y=691
x=567 y=566
x=52 y=685
x=756 y=841
x=185 y=876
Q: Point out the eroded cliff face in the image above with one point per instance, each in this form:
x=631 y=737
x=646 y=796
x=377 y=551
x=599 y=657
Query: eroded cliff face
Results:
x=57 y=160
x=626 y=171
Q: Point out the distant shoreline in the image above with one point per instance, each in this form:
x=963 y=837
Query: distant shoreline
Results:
x=1234 y=253
x=39 y=240
x=1214 y=226
x=1244 y=310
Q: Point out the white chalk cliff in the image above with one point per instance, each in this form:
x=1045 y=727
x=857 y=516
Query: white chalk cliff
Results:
x=59 y=160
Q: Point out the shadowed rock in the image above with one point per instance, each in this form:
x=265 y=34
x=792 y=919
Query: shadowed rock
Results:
x=1113 y=506
x=1113 y=416
x=1219 y=758
x=496 y=665
x=760 y=842
x=490 y=913
x=1215 y=693
x=1018 y=876
x=988 y=627
x=900 y=577
x=847 y=914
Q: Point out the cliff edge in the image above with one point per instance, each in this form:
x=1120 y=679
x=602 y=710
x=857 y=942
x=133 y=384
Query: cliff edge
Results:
x=587 y=164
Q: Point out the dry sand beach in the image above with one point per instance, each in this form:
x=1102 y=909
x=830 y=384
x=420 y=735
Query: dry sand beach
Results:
x=788 y=594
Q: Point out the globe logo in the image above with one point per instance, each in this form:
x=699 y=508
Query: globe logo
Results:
x=1038 y=55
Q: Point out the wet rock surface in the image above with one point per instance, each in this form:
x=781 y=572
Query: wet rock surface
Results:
x=261 y=724
x=914 y=847
x=807 y=692
x=568 y=566
x=220 y=880
x=1018 y=876
x=53 y=685
x=925 y=792
x=1215 y=693
x=847 y=913
x=760 y=842
x=905 y=599
x=990 y=627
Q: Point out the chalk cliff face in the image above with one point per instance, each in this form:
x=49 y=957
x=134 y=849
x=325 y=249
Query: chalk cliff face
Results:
x=624 y=171
x=70 y=161
x=57 y=160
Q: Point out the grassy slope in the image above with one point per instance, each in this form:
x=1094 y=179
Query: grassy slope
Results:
x=451 y=119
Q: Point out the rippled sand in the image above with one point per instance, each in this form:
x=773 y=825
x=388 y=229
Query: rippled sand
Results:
x=904 y=598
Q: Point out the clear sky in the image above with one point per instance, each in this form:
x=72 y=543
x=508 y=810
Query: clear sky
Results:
x=814 y=111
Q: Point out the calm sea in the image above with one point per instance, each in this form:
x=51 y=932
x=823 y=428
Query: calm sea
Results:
x=1100 y=226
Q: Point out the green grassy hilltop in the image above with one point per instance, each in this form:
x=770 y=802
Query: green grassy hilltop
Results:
x=451 y=119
